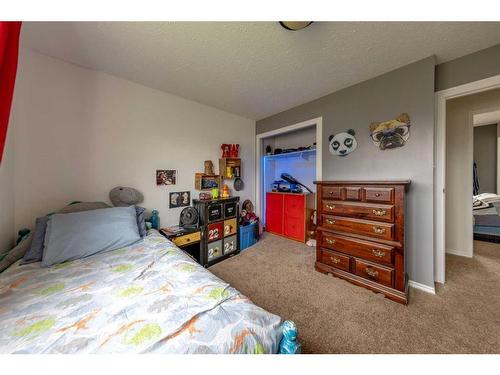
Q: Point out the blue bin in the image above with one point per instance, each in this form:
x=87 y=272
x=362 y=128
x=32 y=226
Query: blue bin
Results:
x=248 y=235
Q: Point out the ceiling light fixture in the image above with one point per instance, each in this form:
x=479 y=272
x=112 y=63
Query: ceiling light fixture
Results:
x=295 y=25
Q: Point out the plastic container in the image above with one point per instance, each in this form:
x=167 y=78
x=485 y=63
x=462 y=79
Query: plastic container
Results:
x=248 y=235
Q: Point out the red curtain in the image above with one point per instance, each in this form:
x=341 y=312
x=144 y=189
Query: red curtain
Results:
x=9 y=48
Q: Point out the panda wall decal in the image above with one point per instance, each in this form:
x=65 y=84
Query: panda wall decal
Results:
x=342 y=144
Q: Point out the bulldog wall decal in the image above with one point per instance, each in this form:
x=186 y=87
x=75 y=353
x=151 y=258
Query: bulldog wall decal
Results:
x=392 y=133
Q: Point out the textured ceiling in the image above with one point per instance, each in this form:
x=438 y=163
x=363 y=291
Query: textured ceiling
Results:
x=254 y=69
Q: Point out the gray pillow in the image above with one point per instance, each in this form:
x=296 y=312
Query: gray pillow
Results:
x=83 y=206
x=15 y=254
x=35 y=252
x=141 y=221
x=81 y=234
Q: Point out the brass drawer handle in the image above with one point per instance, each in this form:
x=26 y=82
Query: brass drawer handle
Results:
x=378 y=253
x=329 y=241
x=377 y=195
x=335 y=260
x=379 y=230
x=371 y=272
x=330 y=206
x=330 y=221
x=379 y=212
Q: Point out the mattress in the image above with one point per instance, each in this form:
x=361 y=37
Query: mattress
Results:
x=146 y=298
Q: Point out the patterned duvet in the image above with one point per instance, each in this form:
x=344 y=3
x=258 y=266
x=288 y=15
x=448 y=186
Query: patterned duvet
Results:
x=149 y=297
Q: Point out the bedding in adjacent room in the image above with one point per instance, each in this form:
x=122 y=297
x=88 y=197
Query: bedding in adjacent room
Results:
x=149 y=297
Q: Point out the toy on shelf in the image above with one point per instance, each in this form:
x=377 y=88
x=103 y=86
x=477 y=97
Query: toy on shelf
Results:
x=215 y=193
x=209 y=167
x=225 y=192
x=204 y=181
x=233 y=150
x=225 y=148
x=205 y=196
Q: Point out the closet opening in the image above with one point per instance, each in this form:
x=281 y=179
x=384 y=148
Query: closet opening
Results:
x=288 y=163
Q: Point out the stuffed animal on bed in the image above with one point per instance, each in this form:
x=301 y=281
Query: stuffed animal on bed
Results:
x=122 y=196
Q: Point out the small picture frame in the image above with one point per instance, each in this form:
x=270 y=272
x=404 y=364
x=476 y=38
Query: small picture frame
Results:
x=179 y=199
x=166 y=177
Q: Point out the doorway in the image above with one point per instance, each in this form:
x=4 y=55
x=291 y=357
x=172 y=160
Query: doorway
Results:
x=454 y=172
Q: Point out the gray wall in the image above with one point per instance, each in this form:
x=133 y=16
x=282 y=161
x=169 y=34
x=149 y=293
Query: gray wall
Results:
x=485 y=156
x=469 y=68
x=409 y=89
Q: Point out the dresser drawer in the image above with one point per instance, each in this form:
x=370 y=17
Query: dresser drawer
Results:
x=214 y=250
x=380 y=274
x=230 y=227
x=294 y=205
x=364 y=227
x=359 y=248
x=332 y=192
x=371 y=211
x=230 y=244
x=215 y=231
x=294 y=228
x=187 y=239
x=214 y=212
x=353 y=193
x=229 y=209
x=379 y=194
x=336 y=260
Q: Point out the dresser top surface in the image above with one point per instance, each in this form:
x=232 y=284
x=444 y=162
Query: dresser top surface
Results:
x=363 y=182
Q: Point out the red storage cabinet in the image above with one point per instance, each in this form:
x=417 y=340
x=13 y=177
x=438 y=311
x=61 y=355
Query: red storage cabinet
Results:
x=274 y=213
x=287 y=214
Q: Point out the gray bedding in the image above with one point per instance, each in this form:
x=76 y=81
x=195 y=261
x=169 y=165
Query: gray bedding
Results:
x=488 y=216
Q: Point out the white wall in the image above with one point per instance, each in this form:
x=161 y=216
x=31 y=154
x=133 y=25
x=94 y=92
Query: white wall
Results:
x=459 y=161
x=80 y=133
x=7 y=229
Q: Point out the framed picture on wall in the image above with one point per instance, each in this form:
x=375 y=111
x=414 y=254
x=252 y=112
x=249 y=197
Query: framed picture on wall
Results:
x=179 y=199
x=166 y=177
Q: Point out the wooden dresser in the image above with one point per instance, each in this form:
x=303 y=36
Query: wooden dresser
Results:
x=360 y=234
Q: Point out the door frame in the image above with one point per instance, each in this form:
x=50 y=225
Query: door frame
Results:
x=259 y=152
x=441 y=97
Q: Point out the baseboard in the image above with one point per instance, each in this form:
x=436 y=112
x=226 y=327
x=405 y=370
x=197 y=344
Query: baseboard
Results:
x=459 y=253
x=422 y=287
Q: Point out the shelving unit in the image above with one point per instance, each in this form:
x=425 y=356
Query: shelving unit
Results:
x=206 y=182
x=230 y=168
x=305 y=154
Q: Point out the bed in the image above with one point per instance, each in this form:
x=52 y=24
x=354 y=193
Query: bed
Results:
x=486 y=211
x=149 y=297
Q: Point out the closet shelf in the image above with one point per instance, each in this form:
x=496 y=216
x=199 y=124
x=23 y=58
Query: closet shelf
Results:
x=306 y=154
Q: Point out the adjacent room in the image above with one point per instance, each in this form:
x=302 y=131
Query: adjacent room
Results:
x=249 y=187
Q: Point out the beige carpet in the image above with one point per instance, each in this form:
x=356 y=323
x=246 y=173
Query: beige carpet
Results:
x=334 y=316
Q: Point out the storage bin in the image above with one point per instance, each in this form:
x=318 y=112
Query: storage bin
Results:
x=248 y=235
